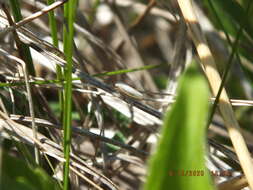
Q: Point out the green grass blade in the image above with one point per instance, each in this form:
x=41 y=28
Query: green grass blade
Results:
x=236 y=13
x=179 y=160
x=15 y=7
x=61 y=81
x=123 y=71
x=53 y=27
x=231 y=16
x=69 y=14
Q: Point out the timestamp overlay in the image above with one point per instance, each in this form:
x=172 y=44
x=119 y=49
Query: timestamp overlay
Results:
x=222 y=173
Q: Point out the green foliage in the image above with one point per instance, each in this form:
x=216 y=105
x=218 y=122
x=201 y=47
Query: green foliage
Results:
x=179 y=159
x=17 y=175
x=161 y=81
x=123 y=71
x=16 y=11
x=68 y=38
x=229 y=16
x=118 y=137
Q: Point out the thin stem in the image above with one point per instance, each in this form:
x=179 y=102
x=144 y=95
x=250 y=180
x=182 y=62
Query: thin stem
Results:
x=69 y=16
x=22 y=49
x=15 y=6
x=229 y=64
x=53 y=27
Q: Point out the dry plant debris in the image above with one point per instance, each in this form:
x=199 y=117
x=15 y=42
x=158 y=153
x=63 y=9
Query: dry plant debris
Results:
x=114 y=125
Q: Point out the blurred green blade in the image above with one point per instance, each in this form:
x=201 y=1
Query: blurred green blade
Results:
x=17 y=175
x=178 y=162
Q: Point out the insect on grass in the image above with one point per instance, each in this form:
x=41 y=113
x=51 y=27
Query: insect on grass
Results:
x=128 y=91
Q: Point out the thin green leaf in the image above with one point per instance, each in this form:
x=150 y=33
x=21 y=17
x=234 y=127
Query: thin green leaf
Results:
x=61 y=81
x=53 y=27
x=69 y=14
x=123 y=71
x=15 y=6
x=231 y=15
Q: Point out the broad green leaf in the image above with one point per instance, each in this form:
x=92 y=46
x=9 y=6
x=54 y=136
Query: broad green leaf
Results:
x=17 y=175
x=178 y=162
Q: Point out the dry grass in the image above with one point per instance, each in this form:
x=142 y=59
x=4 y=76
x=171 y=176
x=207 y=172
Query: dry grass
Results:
x=113 y=130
